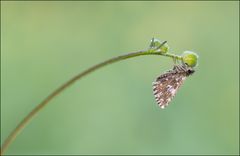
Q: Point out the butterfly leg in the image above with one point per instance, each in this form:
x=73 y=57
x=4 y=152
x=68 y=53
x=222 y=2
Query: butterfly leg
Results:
x=174 y=61
x=183 y=68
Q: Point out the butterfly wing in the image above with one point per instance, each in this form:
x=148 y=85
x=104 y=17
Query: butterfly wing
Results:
x=166 y=86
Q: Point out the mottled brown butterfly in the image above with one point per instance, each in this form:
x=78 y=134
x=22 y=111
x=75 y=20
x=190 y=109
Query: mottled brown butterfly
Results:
x=167 y=84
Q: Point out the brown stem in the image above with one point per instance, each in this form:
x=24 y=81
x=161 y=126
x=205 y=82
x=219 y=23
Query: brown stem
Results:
x=55 y=93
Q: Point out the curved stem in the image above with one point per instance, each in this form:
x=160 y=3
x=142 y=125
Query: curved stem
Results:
x=55 y=93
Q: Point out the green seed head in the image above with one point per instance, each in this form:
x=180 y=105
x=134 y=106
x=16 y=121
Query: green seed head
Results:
x=155 y=43
x=164 y=48
x=190 y=58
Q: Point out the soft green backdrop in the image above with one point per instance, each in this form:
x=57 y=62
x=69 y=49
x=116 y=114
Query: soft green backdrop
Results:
x=113 y=111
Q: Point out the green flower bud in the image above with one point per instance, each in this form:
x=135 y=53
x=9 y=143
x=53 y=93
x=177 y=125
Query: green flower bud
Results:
x=155 y=43
x=164 y=48
x=190 y=58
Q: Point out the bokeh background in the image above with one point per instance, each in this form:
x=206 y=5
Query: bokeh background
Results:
x=113 y=111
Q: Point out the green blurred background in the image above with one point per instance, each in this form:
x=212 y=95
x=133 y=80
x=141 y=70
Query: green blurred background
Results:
x=113 y=111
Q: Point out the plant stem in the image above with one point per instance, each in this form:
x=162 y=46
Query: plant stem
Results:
x=55 y=93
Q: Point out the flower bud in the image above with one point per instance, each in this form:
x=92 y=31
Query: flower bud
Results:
x=155 y=43
x=190 y=58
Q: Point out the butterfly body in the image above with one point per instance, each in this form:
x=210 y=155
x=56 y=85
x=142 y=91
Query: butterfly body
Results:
x=167 y=84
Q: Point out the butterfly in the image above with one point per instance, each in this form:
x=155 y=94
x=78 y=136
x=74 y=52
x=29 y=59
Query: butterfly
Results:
x=167 y=84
